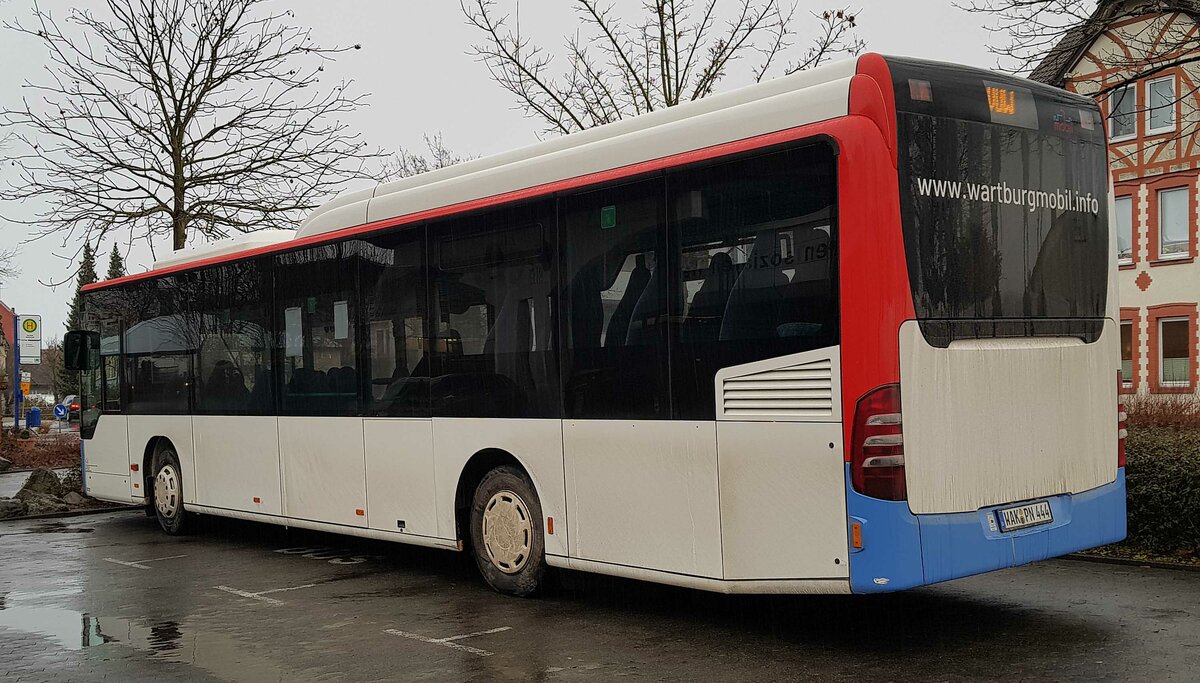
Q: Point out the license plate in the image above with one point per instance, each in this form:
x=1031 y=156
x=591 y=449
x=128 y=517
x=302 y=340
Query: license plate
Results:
x=1024 y=516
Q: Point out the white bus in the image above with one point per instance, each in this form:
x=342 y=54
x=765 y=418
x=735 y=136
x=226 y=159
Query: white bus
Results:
x=850 y=330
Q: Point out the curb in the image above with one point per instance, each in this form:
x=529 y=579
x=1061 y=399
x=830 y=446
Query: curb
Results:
x=27 y=470
x=1124 y=561
x=74 y=513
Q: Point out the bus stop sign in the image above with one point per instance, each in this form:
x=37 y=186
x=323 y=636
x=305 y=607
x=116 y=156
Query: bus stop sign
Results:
x=29 y=339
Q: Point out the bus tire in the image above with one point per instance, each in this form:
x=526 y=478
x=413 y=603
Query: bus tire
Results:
x=168 y=492
x=506 y=532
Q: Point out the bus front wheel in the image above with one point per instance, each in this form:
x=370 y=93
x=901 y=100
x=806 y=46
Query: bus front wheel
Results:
x=168 y=492
x=506 y=532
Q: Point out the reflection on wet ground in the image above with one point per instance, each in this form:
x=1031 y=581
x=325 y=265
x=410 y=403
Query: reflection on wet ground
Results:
x=48 y=528
x=68 y=628
x=241 y=601
x=73 y=630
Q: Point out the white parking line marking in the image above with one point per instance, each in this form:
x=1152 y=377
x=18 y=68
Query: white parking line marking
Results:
x=477 y=633
x=140 y=564
x=259 y=595
x=449 y=642
x=280 y=590
x=252 y=596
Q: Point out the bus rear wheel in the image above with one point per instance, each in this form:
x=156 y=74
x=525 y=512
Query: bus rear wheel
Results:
x=168 y=492
x=506 y=532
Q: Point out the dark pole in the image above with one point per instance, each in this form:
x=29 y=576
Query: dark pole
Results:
x=16 y=373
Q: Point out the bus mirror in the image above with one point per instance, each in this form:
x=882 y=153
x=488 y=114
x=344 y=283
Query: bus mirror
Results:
x=78 y=346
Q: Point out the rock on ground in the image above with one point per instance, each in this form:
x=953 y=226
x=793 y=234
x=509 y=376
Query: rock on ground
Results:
x=43 y=482
x=12 y=507
x=40 y=503
x=74 y=499
x=72 y=480
x=5 y=465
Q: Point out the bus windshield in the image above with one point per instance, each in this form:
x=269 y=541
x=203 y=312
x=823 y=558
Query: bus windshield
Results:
x=1003 y=196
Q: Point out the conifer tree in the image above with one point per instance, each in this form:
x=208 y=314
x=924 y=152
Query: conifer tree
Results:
x=116 y=265
x=68 y=382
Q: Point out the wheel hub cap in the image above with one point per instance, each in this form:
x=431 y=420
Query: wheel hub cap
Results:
x=166 y=491
x=507 y=532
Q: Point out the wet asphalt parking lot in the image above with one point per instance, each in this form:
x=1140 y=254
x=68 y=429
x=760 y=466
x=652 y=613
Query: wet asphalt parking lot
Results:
x=109 y=597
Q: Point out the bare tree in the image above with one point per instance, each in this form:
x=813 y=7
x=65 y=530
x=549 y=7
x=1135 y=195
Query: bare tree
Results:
x=179 y=118
x=8 y=255
x=8 y=264
x=407 y=163
x=1041 y=35
x=675 y=52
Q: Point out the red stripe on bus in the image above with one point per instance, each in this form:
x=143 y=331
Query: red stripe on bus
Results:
x=743 y=145
x=875 y=297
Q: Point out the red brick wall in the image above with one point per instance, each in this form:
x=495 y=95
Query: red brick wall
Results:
x=7 y=324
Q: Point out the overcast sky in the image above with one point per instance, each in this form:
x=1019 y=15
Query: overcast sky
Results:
x=414 y=62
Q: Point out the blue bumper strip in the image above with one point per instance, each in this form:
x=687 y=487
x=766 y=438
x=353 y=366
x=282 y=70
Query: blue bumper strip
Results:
x=902 y=550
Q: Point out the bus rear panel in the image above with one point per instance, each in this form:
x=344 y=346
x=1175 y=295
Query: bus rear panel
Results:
x=997 y=446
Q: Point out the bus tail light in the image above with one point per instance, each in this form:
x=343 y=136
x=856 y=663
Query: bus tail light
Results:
x=877 y=448
x=1122 y=429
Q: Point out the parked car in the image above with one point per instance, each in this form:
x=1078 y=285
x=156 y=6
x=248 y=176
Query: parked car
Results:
x=71 y=401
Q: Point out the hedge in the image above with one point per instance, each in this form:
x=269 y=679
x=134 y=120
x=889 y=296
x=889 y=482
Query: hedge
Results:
x=1163 y=480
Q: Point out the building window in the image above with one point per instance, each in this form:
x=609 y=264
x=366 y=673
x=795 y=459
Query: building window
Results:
x=1131 y=350
x=1124 y=223
x=1122 y=113
x=1174 y=346
x=1171 y=348
x=1173 y=223
x=1126 y=354
x=1160 y=105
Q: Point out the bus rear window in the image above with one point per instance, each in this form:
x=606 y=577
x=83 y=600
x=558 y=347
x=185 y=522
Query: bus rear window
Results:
x=1001 y=222
x=1003 y=196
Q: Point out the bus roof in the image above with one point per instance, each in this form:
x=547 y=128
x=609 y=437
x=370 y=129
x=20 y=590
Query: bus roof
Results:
x=752 y=110
x=487 y=175
x=783 y=103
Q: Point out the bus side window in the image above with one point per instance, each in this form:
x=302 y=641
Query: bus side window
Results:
x=233 y=366
x=393 y=281
x=316 y=315
x=754 y=266
x=615 y=302
x=110 y=366
x=494 y=286
x=159 y=345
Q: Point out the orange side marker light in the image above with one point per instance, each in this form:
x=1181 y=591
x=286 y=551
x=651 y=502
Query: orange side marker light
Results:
x=856 y=535
x=549 y=526
x=257 y=499
x=133 y=467
x=360 y=512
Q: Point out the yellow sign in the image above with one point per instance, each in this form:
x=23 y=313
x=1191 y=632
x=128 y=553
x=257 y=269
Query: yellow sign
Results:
x=29 y=325
x=1001 y=100
x=24 y=388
